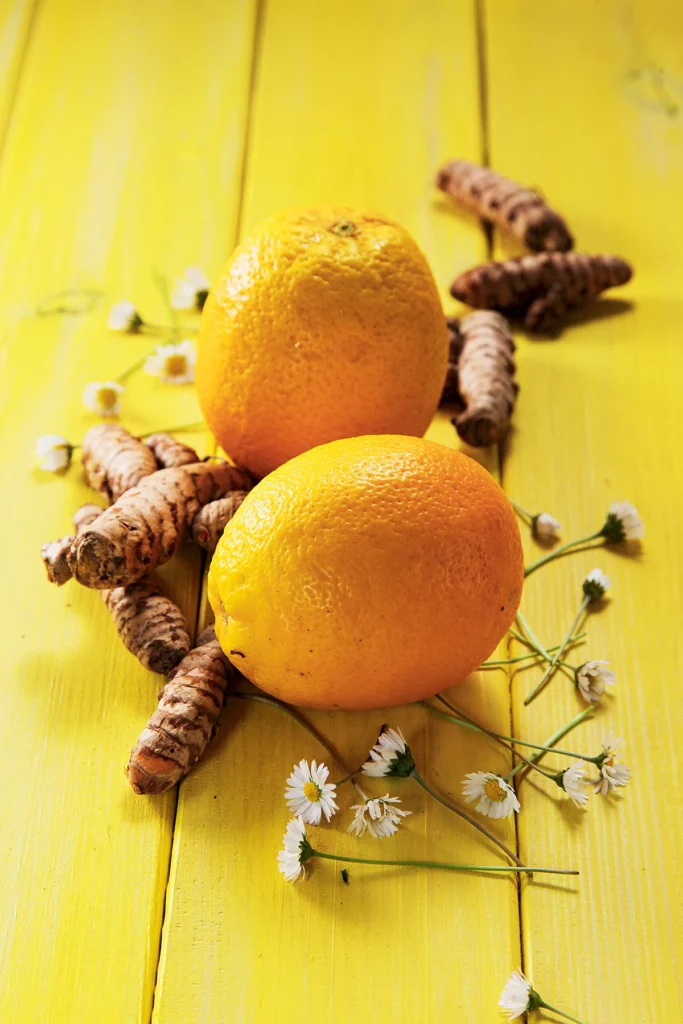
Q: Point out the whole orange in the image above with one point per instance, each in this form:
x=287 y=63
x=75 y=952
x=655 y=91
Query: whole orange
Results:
x=367 y=572
x=325 y=323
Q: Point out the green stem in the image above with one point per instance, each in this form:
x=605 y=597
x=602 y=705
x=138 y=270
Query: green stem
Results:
x=137 y=365
x=439 y=864
x=261 y=698
x=467 y=723
x=560 y=551
x=521 y=511
x=184 y=428
x=557 y=655
x=535 y=642
x=549 y=745
x=463 y=814
x=554 y=1009
x=532 y=654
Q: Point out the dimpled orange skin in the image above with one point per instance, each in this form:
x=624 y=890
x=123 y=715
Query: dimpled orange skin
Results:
x=324 y=324
x=366 y=573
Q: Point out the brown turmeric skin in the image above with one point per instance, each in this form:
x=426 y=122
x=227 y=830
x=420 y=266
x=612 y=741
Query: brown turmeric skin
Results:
x=541 y=289
x=517 y=210
x=185 y=720
x=114 y=460
x=486 y=389
x=148 y=523
x=55 y=553
x=169 y=453
x=210 y=521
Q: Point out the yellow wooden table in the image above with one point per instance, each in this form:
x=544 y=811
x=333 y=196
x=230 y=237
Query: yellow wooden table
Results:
x=143 y=135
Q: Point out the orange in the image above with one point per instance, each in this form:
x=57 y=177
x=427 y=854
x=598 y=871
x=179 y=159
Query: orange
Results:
x=324 y=324
x=368 y=572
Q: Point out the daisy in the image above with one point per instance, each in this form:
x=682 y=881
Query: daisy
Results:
x=516 y=997
x=191 y=290
x=591 y=679
x=295 y=851
x=497 y=799
x=390 y=755
x=103 y=398
x=173 y=363
x=124 y=317
x=545 y=526
x=379 y=817
x=309 y=795
x=613 y=773
x=623 y=523
x=54 y=452
x=574 y=783
x=596 y=584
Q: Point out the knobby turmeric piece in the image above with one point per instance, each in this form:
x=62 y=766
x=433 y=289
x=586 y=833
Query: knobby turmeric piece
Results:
x=114 y=460
x=178 y=732
x=511 y=207
x=210 y=521
x=485 y=388
x=151 y=626
x=148 y=523
x=168 y=452
x=540 y=288
x=55 y=553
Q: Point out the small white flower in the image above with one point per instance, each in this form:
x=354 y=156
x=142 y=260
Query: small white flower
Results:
x=623 y=522
x=173 y=363
x=613 y=772
x=290 y=859
x=546 y=527
x=497 y=799
x=595 y=584
x=103 y=398
x=54 y=452
x=390 y=755
x=380 y=817
x=124 y=317
x=591 y=679
x=574 y=783
x=191 y=290
x=515 y=997
x=309 y=795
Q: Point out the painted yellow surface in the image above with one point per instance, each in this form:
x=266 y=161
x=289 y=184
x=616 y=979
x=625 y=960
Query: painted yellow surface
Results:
x=124 y=128
x=597 y=121
x=118 y=162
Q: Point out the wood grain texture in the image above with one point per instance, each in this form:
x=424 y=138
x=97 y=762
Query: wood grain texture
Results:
x=357 y=103
x=16 y=17
x=123 y=156
x=597 y=124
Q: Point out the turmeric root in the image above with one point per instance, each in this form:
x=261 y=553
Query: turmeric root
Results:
x=511 y=207
x=147 y=525
x=486 y=386
x=169 y=453
x=185 y=720
x=451 y=392
x=114 y=460
x=540 y=288
x=210 y=521
x=55 y=553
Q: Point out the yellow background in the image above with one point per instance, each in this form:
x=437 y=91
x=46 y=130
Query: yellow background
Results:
x=143 y=135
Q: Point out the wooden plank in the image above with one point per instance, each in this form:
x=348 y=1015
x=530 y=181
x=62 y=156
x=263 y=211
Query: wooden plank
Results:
x=124 y=155
x=595 y=121
x=15 y=26
x=355 y=103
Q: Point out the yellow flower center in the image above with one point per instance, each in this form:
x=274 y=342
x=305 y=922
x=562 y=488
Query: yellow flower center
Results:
x=312 y=792
x=494 y=791
x=107 y=398
x=175 y=366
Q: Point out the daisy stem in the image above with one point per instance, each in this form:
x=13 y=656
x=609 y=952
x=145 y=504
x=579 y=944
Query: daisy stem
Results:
x=532 y=654
x=463 y=814
x=305 y=724
x=183 y=428
x=525 y=640
x=535 y=642
x=557 y=655
x=137 y=365
x=521 y=511
x=553 y=1009
x=549 y=746
x=560 y=551
x=439 y=864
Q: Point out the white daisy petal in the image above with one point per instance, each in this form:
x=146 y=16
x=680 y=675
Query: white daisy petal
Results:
x=173 y=363
x=291 y=856
x=496 y=797
x=546 y=527
x=613 y=772
x=124 y=317
x=592 y=678
x=380 y=817
x=595 y=584
x=53 y=452
x=574 y=783
x=514 y=998
x=190 y=290
x=390 y=755
x=308 y=794
x=623 y=522
x=104 y=398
